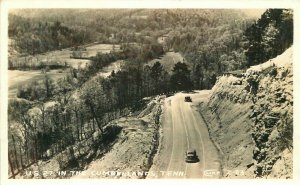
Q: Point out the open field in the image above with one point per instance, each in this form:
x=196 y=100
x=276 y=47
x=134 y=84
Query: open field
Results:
x=62 y=57
x=18 y=78
x=102 y=48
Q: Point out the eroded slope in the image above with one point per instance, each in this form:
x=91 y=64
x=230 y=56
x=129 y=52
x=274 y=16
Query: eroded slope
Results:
x=250 y=118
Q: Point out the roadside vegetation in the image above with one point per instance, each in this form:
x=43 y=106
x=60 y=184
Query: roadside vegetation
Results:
x=52 y=115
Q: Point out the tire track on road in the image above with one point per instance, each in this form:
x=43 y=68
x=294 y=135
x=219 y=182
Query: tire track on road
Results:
x=172 y=149
x=187 y=138
x=199 y=132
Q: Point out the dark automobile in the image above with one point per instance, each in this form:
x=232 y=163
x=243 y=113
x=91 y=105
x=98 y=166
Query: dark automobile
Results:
x=191 y=156
x=187 y=99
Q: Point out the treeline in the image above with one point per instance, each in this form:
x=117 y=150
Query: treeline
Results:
x=136 y=81
x=46 y=88
x=34 y=64
x=38 y=90
x=130 y=52
x=211 y=44
x=270 y=36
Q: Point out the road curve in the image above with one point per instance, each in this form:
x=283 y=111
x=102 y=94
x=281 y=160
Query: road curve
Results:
x=183 y=128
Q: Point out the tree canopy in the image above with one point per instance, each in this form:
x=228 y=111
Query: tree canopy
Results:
x=269 y=36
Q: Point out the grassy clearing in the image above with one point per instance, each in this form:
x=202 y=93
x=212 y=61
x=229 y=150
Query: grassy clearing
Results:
x=19 y=78
x=62 y=57
x=102 y=48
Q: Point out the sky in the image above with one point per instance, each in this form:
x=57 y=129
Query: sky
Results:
x=255 y=13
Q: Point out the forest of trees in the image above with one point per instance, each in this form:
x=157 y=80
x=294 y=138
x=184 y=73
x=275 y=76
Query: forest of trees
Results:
x=221 y=38
x=270 y=36
x=212 y=42
x=34 y=38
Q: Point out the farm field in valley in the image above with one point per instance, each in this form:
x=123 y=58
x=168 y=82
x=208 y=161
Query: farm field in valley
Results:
x=62 y=57
x=18 y=78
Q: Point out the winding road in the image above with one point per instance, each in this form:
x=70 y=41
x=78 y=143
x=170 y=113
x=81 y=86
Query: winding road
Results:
x=182 y=129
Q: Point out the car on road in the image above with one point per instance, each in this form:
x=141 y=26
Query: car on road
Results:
x=191 y=156
x=187 y=99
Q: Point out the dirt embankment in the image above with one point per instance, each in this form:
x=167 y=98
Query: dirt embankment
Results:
x=124 y=150
x=132 y=154
x=229 y=126
x=250 y=118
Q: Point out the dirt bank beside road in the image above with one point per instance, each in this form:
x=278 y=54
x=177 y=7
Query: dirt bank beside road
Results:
x=132 y=154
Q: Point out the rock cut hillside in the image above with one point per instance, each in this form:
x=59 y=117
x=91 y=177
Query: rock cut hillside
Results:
x=250 y=119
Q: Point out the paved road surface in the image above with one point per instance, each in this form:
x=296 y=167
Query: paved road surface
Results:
x=183 y=128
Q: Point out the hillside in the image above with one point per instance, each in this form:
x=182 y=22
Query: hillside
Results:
x=113 y=60
x=250 y=119
x=128 y=144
